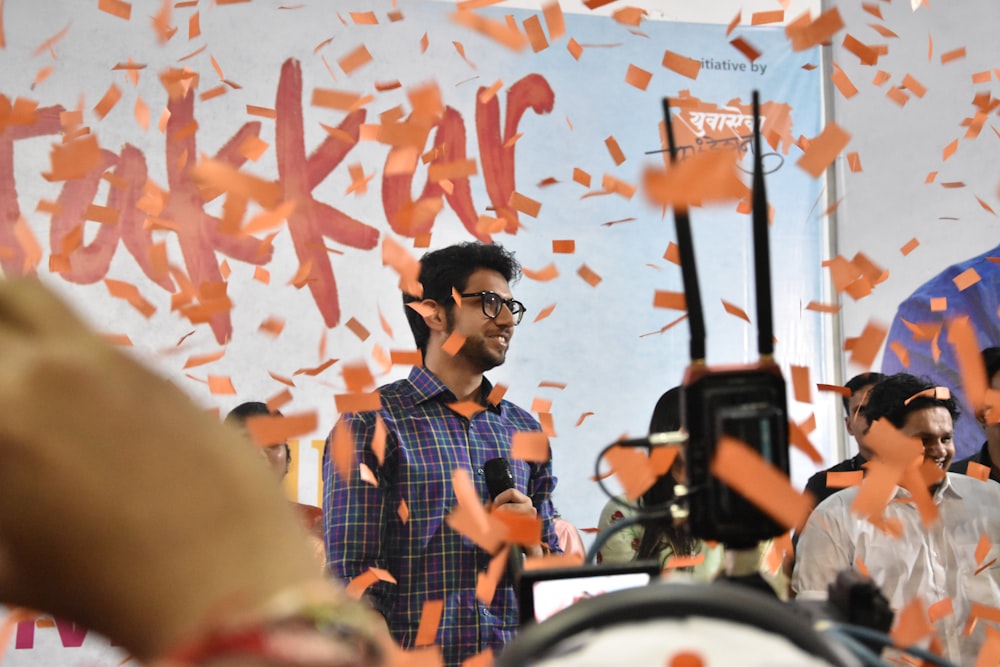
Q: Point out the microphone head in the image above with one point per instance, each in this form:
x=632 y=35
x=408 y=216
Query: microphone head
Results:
x=499 y=476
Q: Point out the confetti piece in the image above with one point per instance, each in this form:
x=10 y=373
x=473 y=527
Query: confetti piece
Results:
x=221 y=385
x=910 y=246
x=867 y=345
x=524 y=204
x=670 y=300
x=546 y=274
x=544 y=312
x=843 y=480
x=673 y=253
x=798 y=437
x=866 y=54
x=522 y=530
x=554 y=20
x=950 y=149
x=823 y=150
x=914 y=86
x=73 y=159
x=530 y=446
x=705 y=176
x=632 y=469
x=574 y=48
x=583 y=416
x=836 y=389
x=202 y=359
x=267 y=430
x=406 y=357
x=130 y=293
x=358 y=329
x=735 y=310
x=966 y=279
x=565 y=247
x=954 y=54
x=843 y=83
x=316 y=370
x=467 y=409
x=541 y=405
x=805 y=35
x=939 y=610
x=497 y=394
x=615 y=150
x=357 y=402
x=453 y=344
x=486 y=582
x=354 y=60
x=536 y=36
x=764 y=18
x=801 y=384
x=983 y=548
x=739 y=466
x=911 y=624
x=735 y=22
x=274 y=376
x=430 y=619
x=263 y=112
x=588 y=275
x=637 y=78
x=674 y=562
x=122 y=10
x=746 y=48
x=357 y=586
x=978 y=471
x=688 y=67
x=406 y=265
x=823 y=307
x=495 y=30
x=939 y=304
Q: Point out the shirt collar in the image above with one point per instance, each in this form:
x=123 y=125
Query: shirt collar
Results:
x=428 y=387
x=945 y=488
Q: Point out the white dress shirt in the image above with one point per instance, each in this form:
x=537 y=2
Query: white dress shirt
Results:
x=930 y=562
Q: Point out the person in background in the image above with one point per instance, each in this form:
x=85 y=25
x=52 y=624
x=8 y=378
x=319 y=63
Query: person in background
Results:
x=441 y=418
x=279 y=457
x=915 y=561
x=919 y=325
x=663 y=540
x=857 y=425
x=129 y=510
x=989 y=454
x=568 y=537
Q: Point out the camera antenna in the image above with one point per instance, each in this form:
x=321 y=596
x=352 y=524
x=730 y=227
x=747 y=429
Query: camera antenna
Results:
x=745 y=402
x=689 y=271
x=761 y=250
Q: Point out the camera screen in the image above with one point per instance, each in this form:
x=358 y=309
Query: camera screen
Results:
x=554 y=595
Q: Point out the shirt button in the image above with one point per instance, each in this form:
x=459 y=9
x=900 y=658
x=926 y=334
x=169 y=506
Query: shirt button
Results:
x=479 y=471
x=486 y=612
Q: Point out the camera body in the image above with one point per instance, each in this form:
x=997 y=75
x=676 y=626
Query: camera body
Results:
x=747 y=403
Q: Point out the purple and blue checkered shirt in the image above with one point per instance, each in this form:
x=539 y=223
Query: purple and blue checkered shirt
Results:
x=425 y=442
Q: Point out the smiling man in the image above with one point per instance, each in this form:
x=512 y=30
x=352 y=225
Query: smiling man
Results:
x=463 y=324
x=932 y=562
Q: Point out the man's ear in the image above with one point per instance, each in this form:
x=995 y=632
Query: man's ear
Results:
x=434 y=315
x=847 y=423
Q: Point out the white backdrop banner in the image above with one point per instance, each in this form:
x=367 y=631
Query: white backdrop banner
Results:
x=215 y=185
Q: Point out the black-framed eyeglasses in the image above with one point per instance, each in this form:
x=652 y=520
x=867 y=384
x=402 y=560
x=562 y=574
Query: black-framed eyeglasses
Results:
x=493 y=302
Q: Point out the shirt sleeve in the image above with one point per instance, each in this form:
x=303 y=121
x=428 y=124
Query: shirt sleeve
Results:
x=355 y=512
x=621 y=546
x=824 y=549
x=543 y=483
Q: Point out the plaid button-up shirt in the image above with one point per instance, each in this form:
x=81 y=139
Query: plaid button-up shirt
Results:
x=425 y=441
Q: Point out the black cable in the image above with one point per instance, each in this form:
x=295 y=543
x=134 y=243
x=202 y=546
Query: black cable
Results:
x=606 y=533
x=861 y=632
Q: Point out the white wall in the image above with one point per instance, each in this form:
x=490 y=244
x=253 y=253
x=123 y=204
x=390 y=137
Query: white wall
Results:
x=888 y=203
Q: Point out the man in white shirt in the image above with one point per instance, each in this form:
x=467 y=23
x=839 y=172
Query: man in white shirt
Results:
x=942 y=563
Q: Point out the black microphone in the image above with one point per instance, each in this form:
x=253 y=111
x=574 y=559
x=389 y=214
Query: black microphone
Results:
x=499 y=477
